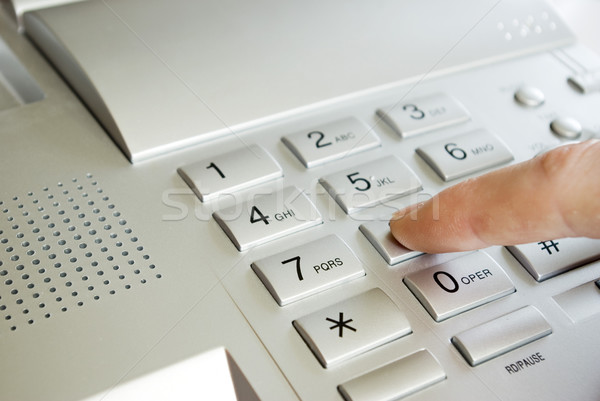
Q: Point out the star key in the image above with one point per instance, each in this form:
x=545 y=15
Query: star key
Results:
x=341 y=324
x=334 y=337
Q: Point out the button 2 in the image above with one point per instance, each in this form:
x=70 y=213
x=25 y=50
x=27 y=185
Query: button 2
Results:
x=331 y=141
x=268 y=217
x=459 y=285
x=310 y=268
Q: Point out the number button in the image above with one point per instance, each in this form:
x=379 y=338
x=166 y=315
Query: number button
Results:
x=424 y=114
x=371 y=183
x=465 y=154
x=459 y=285
x=310 y=268
x=331 y=141
x=230 y=172
x=268 y=217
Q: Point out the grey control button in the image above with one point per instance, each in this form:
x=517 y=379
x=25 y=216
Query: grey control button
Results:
x=423 y=114
x=465 y=154
x=530 y=96
x=331 y=141
x=371 y=183
x=379 y=235
x=586 y=82
x=230 y=172
x=459 y=285
x=546 y=259
x=396 y=380
x=310 y=268
x=566 y=127
x=352 y=327
x=268 y=217
x=501 y=335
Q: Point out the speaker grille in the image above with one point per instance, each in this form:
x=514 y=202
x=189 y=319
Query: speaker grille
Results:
x=63 y=247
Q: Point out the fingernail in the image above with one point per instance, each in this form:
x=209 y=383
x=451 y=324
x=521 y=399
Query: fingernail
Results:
x=402 y=213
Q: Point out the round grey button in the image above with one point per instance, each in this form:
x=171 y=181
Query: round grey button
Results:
x=529 y=96
x=566 y=127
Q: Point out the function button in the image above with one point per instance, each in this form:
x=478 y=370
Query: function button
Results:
x=546 y=259
x=371 y=183
x=586 y=82
x=268 y=217
x=459 y=285
x=501 y=335
x=310 y=268
x=423 y=114
x=352 y=327
x=566 y=127
x=465 y=154
x=379 y=235
x=396 y=380
x=529 y=96
x=331 y=141
x=230 y=172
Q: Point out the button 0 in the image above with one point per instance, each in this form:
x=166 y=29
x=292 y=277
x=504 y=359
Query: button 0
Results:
x=310 y=268
x=268 y=217
x=371 y=183
x=423 y=114
x=331 y=141
x=396 y=380
x=459 y=285
x=352 y=327
x=230 y=172
x=379 y=235
x=501 y=335
x=465 y=154
x=566 y=127
x=529 y=96
x=546 y=259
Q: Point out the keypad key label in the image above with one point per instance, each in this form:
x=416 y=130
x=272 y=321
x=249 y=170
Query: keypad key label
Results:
x=352 y=327
x=459 y=285
x=465 y=154
x=331 y=141
x=308 y=269
x=371 y=183
x=268 y=217
x=546 y=259
x=230 y=172
x=423 y=114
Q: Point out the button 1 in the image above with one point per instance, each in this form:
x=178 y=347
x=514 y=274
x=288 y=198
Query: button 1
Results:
x=546 y=259
x=331 y=141
x=459 y=285
x=465 y=154
x=566 y=127
x=230 y=172
x=529 y=96
x=501 y=335
x=423 y=114
x=352 y=327
x=268 y=217
x=379 y=235
x=396 y=380
x=310 y=268
x=371 y=183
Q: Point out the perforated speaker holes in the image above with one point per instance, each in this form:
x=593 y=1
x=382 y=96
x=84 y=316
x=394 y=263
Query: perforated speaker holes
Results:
x=63 y=247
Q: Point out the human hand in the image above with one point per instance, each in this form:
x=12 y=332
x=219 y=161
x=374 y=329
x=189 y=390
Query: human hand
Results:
x=554 y=195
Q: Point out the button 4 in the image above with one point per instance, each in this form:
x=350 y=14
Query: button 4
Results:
x=268 y=217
